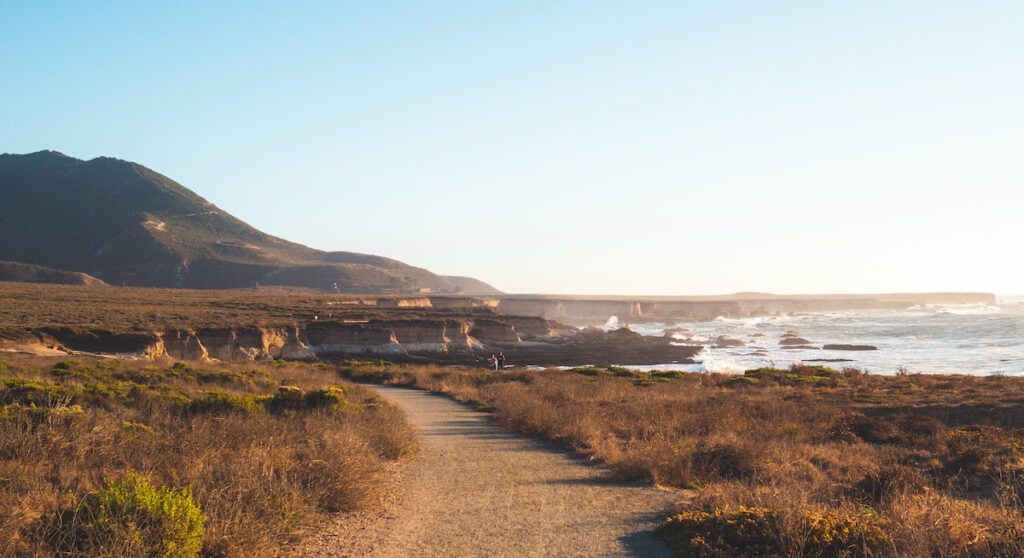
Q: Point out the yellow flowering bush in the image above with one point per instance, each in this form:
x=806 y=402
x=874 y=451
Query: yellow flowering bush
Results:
x=758 y=532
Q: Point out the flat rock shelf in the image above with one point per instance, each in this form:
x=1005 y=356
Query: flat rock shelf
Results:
x=476 y=490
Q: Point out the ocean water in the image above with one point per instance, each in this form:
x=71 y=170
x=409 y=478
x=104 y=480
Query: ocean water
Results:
x=960 y=339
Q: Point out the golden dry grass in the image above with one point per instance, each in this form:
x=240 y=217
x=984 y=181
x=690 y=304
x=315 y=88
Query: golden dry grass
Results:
x=268 y=450
x=800 y=462
x=29 y=305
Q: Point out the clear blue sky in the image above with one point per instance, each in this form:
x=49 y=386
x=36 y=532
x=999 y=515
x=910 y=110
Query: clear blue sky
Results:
x=564 y=147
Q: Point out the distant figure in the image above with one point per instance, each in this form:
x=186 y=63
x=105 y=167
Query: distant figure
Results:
x=493 y=362
x=501 y=361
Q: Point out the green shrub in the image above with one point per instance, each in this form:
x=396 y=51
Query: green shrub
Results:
x=752 y=532
x=588 y=371
x=20 y=390
x=796 y=374
x=743 y=533
x=116 y=390
x=741 y=381
x=69 y=369
x=32 y=415
x=329 y=397
x=287 y=398
x=19 y=411
x=219 y=402
x=129 y=517
x=621 y=371
x=669 y=374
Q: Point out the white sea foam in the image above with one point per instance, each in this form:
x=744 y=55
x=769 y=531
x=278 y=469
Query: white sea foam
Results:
x=967 y=339
x=653 y=329
x=961 y=309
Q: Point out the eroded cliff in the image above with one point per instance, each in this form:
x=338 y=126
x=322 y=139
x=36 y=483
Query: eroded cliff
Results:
x=459 y=341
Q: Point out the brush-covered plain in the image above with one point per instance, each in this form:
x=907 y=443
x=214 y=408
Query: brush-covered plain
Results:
x=806 y=461
x=134 y=458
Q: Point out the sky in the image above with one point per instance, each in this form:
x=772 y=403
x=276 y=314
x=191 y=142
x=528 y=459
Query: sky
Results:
x=589 y=147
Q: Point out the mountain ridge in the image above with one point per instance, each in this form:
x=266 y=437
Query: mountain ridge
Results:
x=126 y=224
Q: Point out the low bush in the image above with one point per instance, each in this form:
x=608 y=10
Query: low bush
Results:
x=129 y=517
x=219 y=402
x=751 y=532
x=330 y=397
x=797 y=374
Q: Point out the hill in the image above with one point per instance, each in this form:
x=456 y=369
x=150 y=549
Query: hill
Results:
x=28 y=273
x=128 y=225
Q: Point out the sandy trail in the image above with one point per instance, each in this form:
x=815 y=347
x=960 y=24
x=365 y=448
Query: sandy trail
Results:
x=478 y=491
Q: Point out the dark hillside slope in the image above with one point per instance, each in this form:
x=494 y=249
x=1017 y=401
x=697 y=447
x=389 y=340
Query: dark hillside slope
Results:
x=472 y=285
x=127 y=224
x=28 y=273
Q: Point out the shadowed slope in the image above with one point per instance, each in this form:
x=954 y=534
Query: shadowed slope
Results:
x=126 y=224
x=28 y=273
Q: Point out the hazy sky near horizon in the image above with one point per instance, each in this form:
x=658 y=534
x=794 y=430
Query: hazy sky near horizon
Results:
x=591 y=147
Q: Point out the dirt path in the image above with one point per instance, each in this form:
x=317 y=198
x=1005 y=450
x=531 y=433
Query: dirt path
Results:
x=478 y=491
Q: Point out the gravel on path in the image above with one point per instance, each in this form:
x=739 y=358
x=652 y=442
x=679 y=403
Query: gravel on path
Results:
x=476 y=490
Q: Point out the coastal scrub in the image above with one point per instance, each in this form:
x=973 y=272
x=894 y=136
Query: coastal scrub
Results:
x=105 y=457
x=802 y=461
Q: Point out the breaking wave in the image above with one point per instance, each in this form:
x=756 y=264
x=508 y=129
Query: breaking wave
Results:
x=978 y=339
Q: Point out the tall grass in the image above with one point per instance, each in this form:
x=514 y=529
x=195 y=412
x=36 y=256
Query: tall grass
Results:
x=265 y=452
x=806 y=461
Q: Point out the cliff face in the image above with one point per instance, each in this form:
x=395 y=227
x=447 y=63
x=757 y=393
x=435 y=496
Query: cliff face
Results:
x=336 y=339
x=584 y=311
x=458 y=330
x=495 y=331
x=594 y=312
x=183 y=345
x=460 y=341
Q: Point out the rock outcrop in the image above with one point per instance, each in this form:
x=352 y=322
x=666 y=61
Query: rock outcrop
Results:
x=328 y=339
x=184 y=345
x=458 y=341
x=101 y=341
x=847 y=347
x=493 y=331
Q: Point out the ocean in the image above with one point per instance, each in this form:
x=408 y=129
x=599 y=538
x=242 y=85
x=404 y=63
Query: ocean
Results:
x=959 y=339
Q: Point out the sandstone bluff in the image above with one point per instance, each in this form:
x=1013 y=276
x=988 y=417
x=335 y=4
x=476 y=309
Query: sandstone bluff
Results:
x=268 y=324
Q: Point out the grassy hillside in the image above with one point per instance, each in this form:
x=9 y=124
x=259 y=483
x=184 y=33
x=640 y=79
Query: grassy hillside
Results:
x=28 y=273
x=129 y=225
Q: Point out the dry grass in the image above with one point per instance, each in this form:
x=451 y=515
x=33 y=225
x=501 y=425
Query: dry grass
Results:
x=28 y=305
x=800 y=462
x=267 y=451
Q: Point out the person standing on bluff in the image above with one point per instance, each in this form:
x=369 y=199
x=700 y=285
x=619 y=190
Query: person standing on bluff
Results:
x=501 y=361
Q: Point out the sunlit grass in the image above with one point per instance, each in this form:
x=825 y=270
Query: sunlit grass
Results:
x=805 y=461
x=266 y=451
